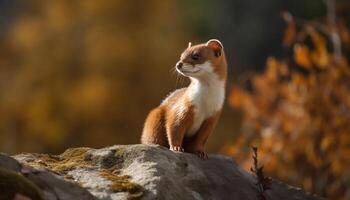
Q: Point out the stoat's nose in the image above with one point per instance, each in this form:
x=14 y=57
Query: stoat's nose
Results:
x=179 y=65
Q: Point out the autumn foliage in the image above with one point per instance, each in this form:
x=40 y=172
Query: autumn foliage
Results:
x=83 y=73
x=297 y=112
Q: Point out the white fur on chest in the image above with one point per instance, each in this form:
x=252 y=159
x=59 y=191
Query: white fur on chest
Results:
x=207 y=98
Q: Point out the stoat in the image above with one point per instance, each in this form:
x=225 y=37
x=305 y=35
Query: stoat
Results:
x=185 y=119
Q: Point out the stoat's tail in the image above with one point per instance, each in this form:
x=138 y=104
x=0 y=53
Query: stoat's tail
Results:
x=154 y=131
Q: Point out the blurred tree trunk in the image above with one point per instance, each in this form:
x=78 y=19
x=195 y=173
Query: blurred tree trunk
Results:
x=331 y=20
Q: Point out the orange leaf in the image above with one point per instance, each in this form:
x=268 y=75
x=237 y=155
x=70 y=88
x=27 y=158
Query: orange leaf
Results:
x=302 y=56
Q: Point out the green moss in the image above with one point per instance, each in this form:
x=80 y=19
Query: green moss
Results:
x=80 y=158
x=12 y=183
x=75 y=153
x=69 y=160
x=121 y=183
x=119 y=151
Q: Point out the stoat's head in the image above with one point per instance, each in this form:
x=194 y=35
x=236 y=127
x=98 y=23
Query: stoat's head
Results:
x=203 y=61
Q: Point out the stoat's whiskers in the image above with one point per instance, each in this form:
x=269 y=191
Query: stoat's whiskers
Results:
x=177 y=80
x=172 y=70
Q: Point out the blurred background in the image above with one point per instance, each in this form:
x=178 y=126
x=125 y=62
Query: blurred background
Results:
x=86 y=73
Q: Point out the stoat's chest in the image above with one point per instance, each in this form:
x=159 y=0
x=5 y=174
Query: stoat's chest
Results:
x=206 y=100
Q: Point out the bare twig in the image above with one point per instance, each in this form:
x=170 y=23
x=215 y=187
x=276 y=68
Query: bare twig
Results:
x=263 y=183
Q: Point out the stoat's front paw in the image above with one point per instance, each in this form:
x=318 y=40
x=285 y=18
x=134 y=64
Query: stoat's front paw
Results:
x=202 y=155
x=177 y=148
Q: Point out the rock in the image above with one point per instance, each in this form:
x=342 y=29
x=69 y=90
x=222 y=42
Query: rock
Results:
x=13 y=184
x=9 y=163
x=133 y=172
x=36 y=183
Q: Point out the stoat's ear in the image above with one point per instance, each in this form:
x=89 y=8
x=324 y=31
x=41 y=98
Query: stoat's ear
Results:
x=216 y=46
x=189 y=45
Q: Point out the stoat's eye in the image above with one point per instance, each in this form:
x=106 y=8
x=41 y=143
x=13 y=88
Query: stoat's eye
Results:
x=195 y=56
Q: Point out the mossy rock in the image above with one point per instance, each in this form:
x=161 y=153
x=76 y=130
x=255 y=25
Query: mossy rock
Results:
x=77 y=164
x=153 y=172
x=121 y=183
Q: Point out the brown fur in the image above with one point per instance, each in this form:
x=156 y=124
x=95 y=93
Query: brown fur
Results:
x=195 y=144
x=154 y=128
x=177 y=125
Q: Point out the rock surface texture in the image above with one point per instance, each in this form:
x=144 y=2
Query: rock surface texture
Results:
x=131 y=172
